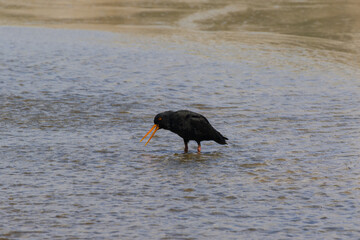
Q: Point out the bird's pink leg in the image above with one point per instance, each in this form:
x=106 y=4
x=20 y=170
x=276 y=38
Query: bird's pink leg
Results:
x=199 y=148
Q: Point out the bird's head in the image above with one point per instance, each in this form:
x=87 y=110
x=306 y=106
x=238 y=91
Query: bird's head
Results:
x=161 y=120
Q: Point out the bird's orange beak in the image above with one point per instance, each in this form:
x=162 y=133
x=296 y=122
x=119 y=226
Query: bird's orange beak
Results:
x=156 y=126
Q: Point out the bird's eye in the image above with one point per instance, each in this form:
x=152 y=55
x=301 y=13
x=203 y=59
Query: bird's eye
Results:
x=159 y=118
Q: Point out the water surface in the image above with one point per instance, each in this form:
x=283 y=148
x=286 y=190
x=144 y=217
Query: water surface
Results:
x=74 y=105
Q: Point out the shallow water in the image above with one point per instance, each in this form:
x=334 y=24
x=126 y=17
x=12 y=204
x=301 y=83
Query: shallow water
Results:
x=74 y=105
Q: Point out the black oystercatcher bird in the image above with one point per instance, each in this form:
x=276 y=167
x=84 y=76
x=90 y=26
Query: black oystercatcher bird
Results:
x=188 y=125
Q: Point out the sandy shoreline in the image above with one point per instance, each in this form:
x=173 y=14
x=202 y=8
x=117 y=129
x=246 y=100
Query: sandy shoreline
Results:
x=93 y=14
x=312 y=25
x=329 y=20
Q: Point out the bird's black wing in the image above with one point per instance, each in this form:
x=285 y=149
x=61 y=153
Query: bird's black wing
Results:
x=201 y=128
x=193 y=126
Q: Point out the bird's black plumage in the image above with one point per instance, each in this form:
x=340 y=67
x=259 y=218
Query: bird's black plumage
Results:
x=188 y=125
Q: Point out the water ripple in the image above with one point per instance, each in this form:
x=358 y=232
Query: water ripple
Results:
x=74 y=105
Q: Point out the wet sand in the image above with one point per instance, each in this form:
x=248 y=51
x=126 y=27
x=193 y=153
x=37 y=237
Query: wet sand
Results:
x=313 y=19
x=330 y=26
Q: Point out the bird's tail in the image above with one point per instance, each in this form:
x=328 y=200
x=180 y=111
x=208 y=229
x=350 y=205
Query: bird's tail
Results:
x=220 y=139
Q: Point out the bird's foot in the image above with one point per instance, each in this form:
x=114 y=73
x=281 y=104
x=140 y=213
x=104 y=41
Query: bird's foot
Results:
x=186 y=149
x=199 y=149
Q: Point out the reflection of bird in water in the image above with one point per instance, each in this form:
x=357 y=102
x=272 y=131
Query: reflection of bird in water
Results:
x=188 y=125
